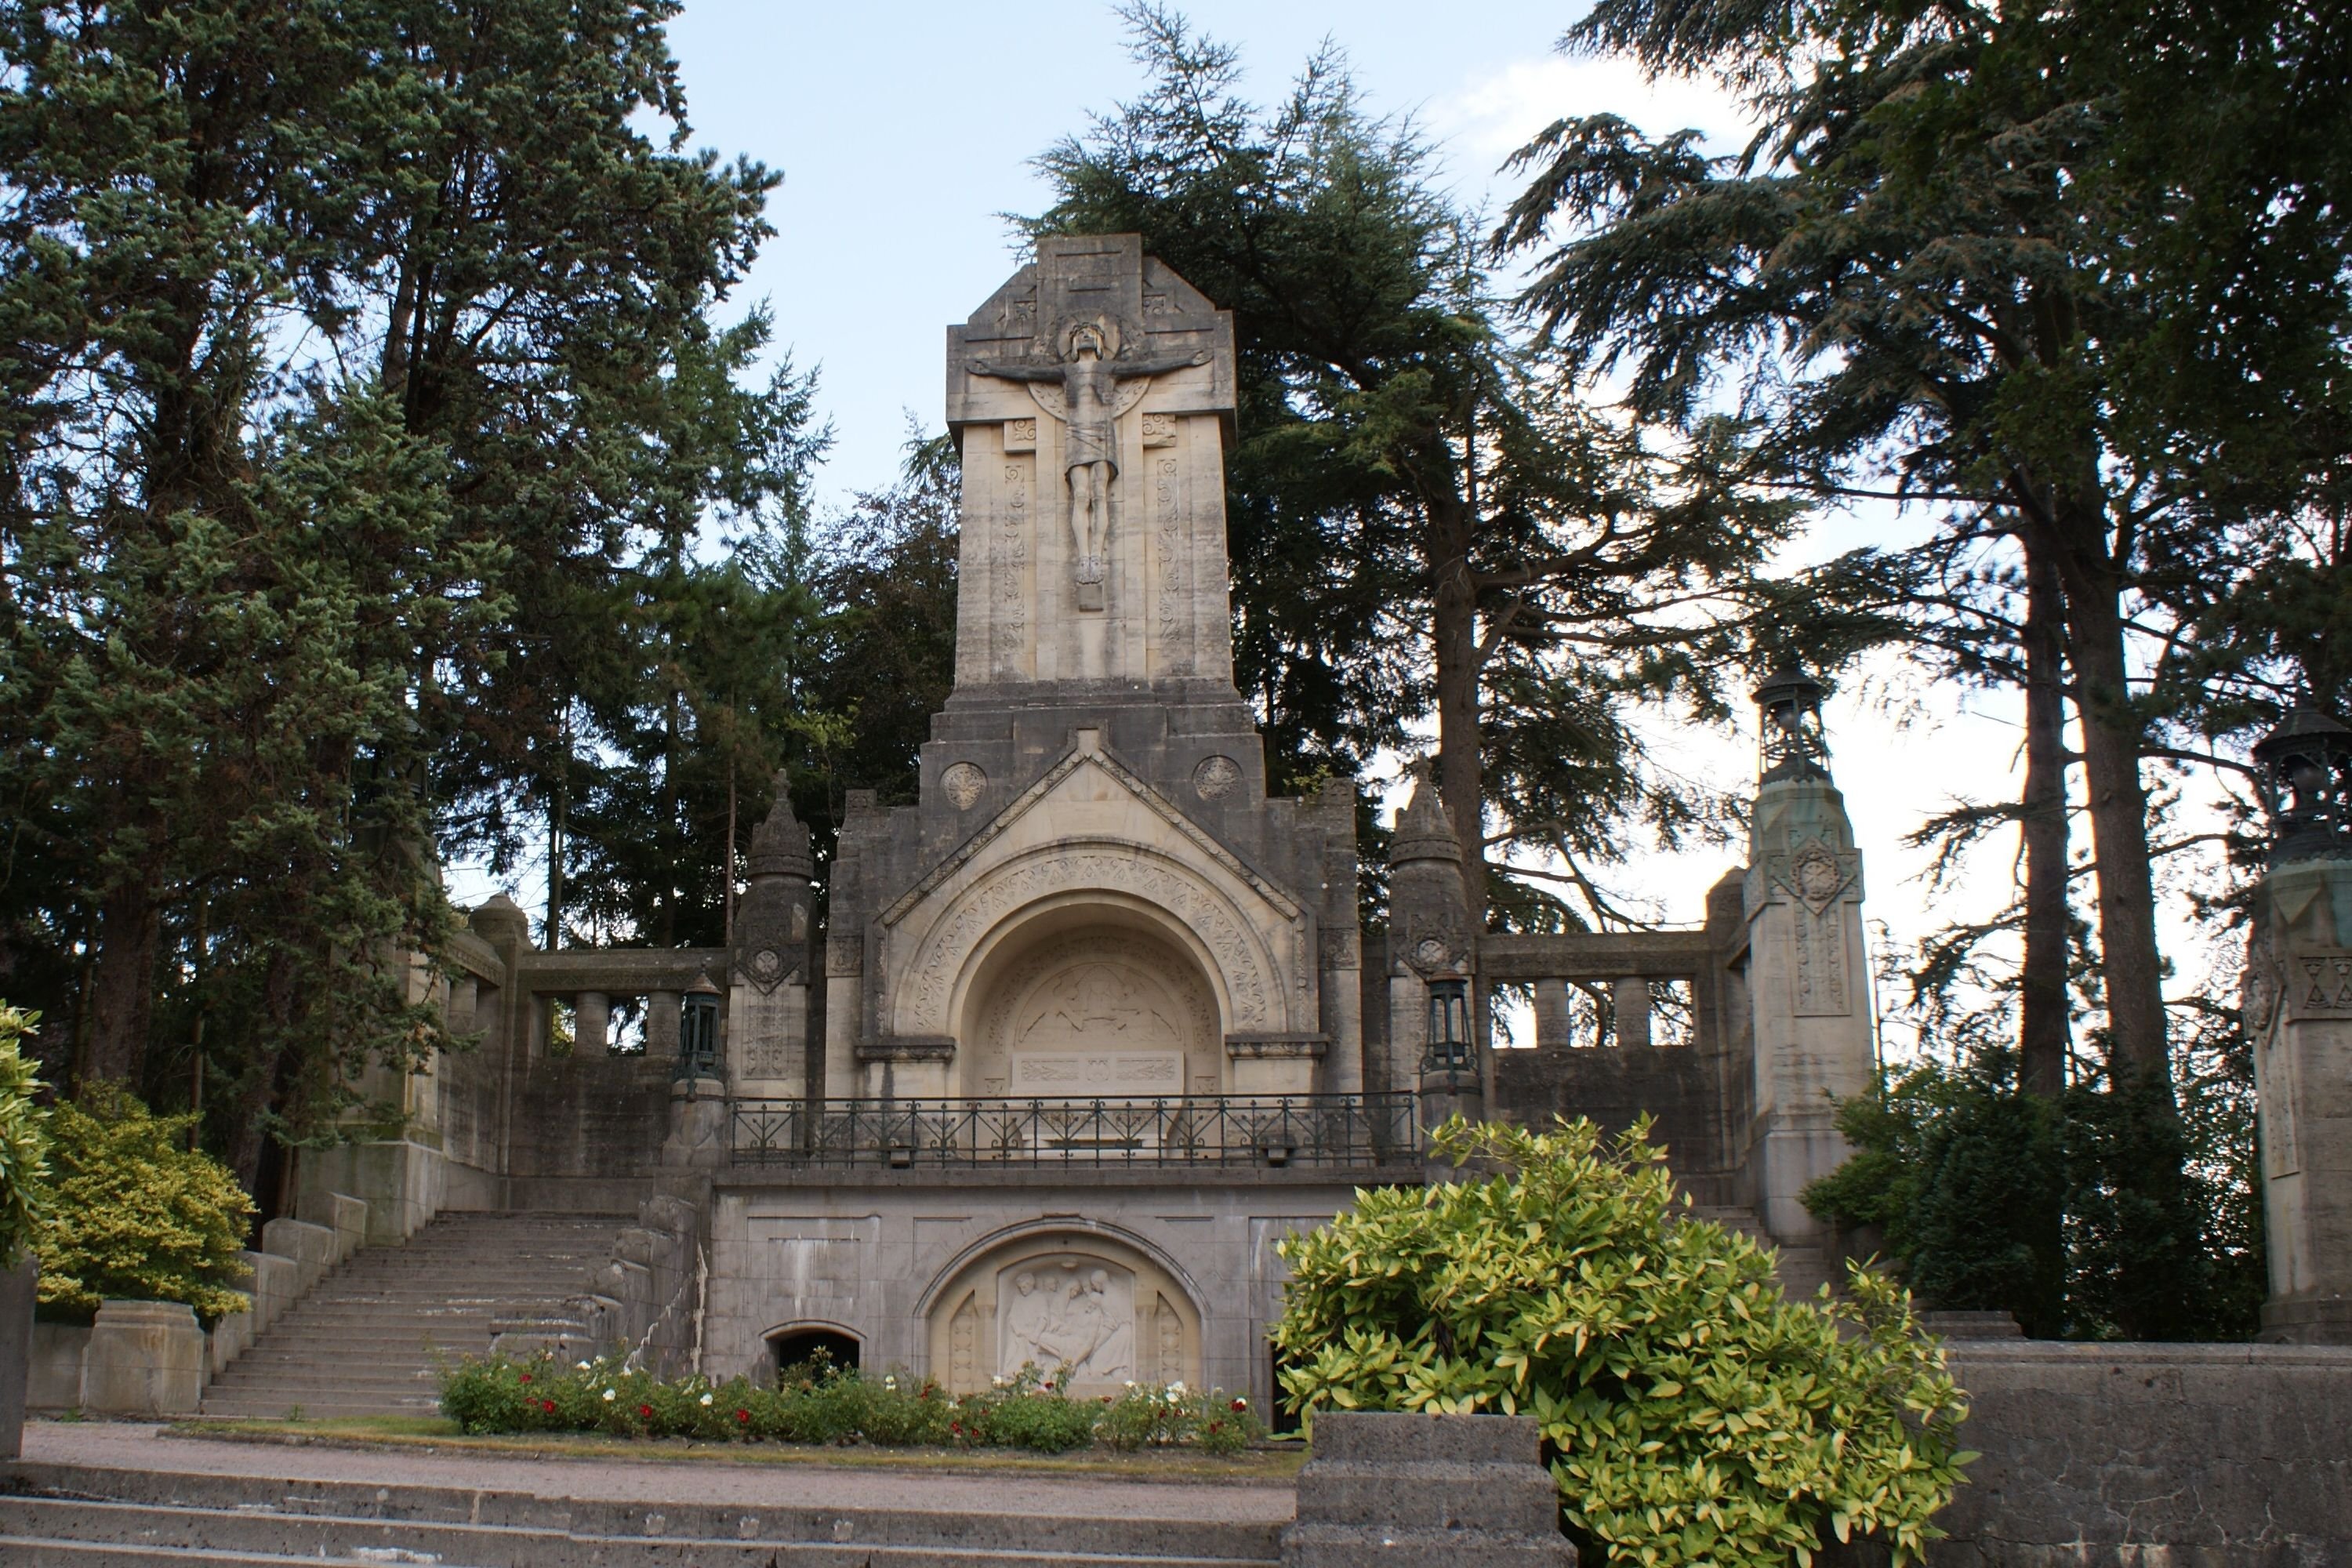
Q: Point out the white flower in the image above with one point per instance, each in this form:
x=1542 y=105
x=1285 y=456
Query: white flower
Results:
x=583 y=1366
x=999 y=1382
x=706 y=1399
x=1130 y=1382
x=1176 y=1387
x=608 y=1397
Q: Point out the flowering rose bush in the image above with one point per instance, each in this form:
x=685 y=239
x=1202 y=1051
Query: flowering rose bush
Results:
x=544 y=1393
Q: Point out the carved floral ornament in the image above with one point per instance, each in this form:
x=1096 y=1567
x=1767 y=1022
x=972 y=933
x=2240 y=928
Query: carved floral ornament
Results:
x=963 y=784
x=1816 y=875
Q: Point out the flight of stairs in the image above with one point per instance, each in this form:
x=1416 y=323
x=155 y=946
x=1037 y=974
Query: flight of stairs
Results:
x=74 y=1516
x=1802 y=1269
x=367 y=1339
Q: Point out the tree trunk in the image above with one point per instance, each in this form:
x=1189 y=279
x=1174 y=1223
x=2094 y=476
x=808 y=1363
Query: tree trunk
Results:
x=123 y=991
x=1461 y=769
x=2130 y=961
x=2044 y=1033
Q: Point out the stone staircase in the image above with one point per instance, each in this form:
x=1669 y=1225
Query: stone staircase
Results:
x=72 y=1516
x=1802 y=1269
x=366 y=1340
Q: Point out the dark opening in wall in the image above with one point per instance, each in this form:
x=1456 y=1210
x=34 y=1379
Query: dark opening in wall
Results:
x=1280 y=1421
x=803 y=1351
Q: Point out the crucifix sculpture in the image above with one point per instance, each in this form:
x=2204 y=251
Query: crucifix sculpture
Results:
x=1089 y=378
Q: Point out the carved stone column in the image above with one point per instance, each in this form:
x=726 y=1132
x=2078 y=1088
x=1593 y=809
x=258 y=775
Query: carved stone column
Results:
x=1808 y=967
x=1433 y=949
x=2298 y=1008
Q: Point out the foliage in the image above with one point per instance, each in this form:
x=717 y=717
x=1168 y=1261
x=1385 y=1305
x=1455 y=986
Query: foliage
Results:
x=1424 y=523
x=1691 y=1413
x=23 y=1139
x=1961 y=1166
x=825 y=1405
x=134 y=1214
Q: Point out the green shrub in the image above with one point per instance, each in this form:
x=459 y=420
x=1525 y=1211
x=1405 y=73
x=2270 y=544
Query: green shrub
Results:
x=821 y=1404
x=1691 y=1413
x=132 y=1213
x=23 y=1139
x=1149 y=1416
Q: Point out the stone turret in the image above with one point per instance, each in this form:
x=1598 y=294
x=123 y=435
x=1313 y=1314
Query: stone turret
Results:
x=767 y=1014
x=1808 y=967
x=1432 y=1024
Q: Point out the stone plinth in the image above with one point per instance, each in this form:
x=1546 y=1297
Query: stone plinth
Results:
x=311 y=1246
x=145 y=1358
x=1426 y=1491
x=54 y=1381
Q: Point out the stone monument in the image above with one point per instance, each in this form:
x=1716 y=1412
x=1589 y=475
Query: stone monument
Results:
x=1096 y=895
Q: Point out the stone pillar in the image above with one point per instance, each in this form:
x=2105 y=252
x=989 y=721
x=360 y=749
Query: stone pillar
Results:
x=1808 y=976
x=1426 y=1491
x=1341 y=944
x=2298 y=1010
x=768 y=999
x=1555 y=1017
x=17 y=1284
x=1629 y=997
x=592 y=1024
x=661 y=1029
x=862 y=825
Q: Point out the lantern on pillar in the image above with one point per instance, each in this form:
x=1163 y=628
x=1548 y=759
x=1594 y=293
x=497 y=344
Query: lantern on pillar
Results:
x=697 y=1031
x=1794 y=743
x=1448 y=1050
x=2306 y=769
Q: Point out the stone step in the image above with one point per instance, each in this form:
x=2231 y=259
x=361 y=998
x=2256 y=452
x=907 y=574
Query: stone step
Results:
x=82 y=1515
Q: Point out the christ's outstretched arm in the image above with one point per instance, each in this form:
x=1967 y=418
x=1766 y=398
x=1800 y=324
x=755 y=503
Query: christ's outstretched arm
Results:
x=1158 y=364
x=1014 y=370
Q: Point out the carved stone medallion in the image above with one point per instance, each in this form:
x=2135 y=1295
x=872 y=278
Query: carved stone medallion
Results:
x=767 y=967
x=1216 y=777
x=964 y=785
x=1815 y=876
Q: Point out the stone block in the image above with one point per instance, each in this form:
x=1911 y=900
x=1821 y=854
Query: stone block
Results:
x=346 y=1216
x=230 y=1338
x=55 y=1379
x=145 y=1358
x=1426 y=1491
x=272 y=1282
x=311 y=1246
x=17 y=1290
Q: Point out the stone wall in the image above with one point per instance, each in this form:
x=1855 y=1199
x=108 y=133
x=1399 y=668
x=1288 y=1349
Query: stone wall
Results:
x=2141 y=1456
x=1678 y=1086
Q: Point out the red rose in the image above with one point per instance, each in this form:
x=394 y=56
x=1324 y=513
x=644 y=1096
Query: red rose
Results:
x=647 y=1411
x=548 y=1405
x=744 y=1415
x=526 y=1378
x=1241 y=1404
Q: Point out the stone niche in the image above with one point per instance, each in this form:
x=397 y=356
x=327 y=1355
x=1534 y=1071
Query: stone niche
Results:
x=1091 y=1006
x=1086 y=1301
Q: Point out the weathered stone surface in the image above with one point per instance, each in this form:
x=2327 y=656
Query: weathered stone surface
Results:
x=2128 y=1455
x=274 y=1282
x=310 y=1246
x=54 y=1380
x=345 y=1215
x=145 y=1358
x=1440 y=1491
x=229 y=1338
x=2299 y=1009
x=17 y=1290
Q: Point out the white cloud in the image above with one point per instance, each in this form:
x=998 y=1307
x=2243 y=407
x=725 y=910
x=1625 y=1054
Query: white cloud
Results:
x=1494 y=115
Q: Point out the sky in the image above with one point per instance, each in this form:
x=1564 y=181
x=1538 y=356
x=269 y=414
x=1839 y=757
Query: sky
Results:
x=905 y=132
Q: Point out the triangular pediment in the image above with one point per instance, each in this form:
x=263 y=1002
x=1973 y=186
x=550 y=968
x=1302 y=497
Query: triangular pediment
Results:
x=1088 y=773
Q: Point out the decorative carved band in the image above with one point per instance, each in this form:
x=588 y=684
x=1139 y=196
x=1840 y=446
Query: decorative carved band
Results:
x=907 y=1048
x=1260 y=1048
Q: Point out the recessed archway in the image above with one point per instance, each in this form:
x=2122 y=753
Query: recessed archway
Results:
x=813 y=1347
x=1078 y=1303
x=1090 y=1000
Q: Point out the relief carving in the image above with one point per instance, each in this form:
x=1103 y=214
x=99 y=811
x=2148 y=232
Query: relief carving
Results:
x=963 y=784
x=1216 y=777
x=1009 y=568
x=1075 y=1312
x=845 y=955
x=2323 y=982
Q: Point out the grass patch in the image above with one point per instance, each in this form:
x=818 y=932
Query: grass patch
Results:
x=1274 y=1464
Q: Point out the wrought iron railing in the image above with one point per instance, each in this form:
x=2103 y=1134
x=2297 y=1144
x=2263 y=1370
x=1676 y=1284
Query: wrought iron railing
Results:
x=1301 y=1130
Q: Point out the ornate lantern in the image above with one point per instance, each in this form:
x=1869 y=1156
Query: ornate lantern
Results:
x=2307 y=778
x=697 y=1031
x=1449 y=1028
x=1795 y=745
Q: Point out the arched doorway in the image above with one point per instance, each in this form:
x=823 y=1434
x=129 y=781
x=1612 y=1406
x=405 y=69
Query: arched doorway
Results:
x=1091 y=1001
x=813 y=1347
x=1083 y=1301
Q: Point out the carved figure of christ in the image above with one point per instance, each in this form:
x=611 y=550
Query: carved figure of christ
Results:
x=1090 y=438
